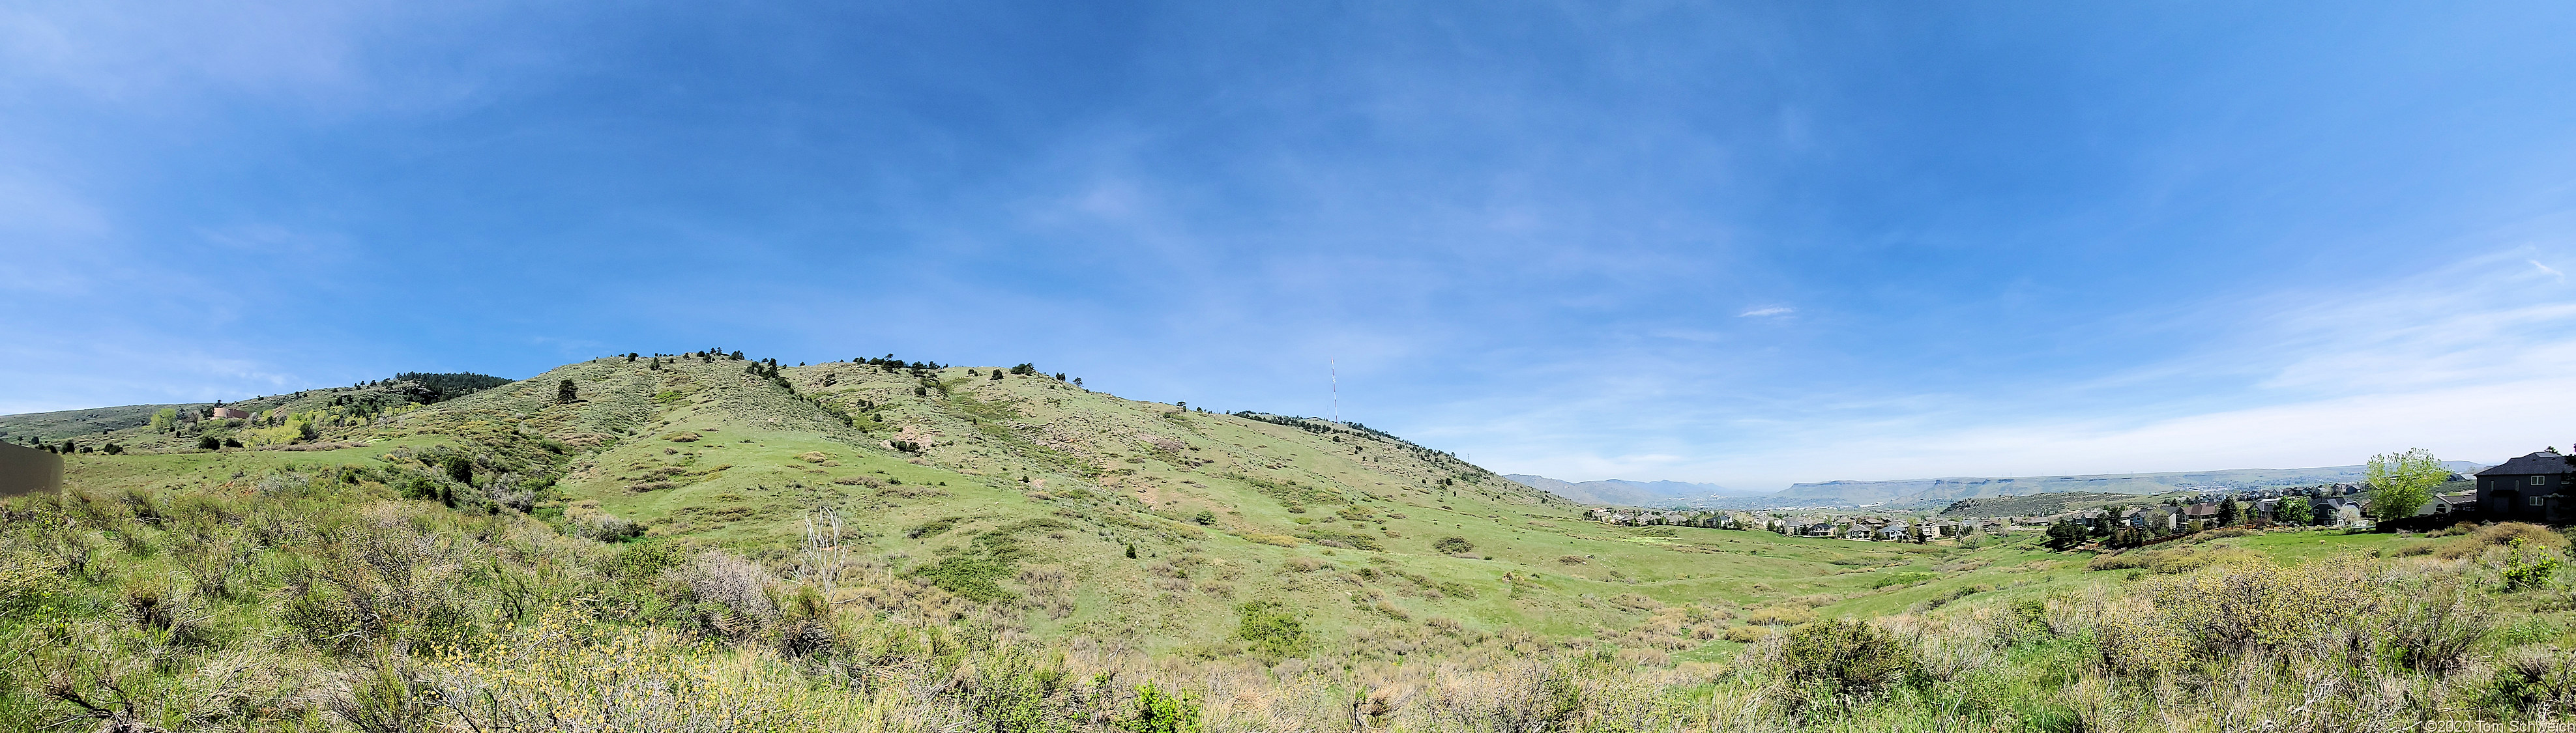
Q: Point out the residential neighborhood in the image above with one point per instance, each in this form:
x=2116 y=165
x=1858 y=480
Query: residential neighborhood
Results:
x=2129 y=524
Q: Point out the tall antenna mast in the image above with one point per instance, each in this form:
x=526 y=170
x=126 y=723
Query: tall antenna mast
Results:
x=1333 y=366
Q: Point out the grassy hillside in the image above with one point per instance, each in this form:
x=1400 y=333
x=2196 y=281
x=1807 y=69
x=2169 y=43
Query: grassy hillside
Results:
x=720 y=544
x=51 y=427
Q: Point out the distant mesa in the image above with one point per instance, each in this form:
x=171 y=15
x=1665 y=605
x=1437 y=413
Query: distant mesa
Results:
x=1937 y=492
x=1623 y=492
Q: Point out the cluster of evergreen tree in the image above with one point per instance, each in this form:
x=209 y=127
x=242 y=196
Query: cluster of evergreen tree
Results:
x=889 y=363
x=431 y=388
x=768 y=368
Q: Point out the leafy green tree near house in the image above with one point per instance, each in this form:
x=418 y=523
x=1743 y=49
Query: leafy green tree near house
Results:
x=2401 y=482
x=2293 y=510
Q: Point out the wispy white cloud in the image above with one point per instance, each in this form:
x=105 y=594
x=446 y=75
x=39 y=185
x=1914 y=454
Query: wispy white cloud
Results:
x=1772 y=310
x=2311 y=378
x=2552 y=271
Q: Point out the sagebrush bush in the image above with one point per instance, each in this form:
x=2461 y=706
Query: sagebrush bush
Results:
x=1780 y=616
x=1845 y=656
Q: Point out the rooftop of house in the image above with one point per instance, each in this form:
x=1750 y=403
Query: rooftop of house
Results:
x=2547 y=461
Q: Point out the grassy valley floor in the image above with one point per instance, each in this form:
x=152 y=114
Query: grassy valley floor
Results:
x=711 y=543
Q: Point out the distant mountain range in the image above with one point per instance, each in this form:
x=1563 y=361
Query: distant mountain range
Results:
x=1622 y=492
x=1940 y=491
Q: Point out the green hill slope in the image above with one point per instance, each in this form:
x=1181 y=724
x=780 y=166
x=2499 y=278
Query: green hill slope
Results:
x=718 y=544
x=1022 y=494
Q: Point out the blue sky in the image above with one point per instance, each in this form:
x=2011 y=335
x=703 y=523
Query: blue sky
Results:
x=1748 y=244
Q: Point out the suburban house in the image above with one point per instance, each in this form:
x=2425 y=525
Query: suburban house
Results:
x=2263 y=509
x=2529 y=487
x=2200 y=512
x=2460 y=501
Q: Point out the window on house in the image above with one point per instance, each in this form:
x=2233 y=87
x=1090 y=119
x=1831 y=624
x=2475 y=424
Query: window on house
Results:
x=2538 y=500
x=2538 y=480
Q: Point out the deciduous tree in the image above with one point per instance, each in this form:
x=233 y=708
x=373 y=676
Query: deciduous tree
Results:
x=2401 y=482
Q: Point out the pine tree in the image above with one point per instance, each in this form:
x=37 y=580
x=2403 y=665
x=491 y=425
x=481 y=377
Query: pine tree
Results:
x=566 y=392
x=2065 y=534
x=2229 y=513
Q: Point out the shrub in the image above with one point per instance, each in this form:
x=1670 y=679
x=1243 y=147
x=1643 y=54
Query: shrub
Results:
x=2410 y=549
x=2229 y=609
x=2502 y=533
x=584 y=519
x=1161 y=712
x=1899 y=579
x=2174 y=561
x=2535 y=678
x=1780 y=616
x=1272 y=627
x=972 y=577
x=1849 y=657
x=932 y=528
x=1453 y=545
x=2529 y=567
x=1746 y=634
x=733 y=593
